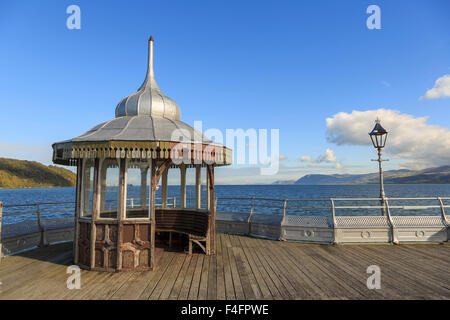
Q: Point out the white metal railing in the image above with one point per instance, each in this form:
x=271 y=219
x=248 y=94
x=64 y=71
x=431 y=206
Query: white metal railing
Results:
x=338 y=220
x=253 y=211
x=281 y=206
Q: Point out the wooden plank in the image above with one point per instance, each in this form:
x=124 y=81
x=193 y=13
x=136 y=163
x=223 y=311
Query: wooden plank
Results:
x=212 y=278
x=39 y=281
x=89 y=285
x=229 y=287
x=349 y=274
x=296 y=278
x=159 y=271
x=249 y=283
x=251 y=250
x=220 y=269
x=391 y=279
x=295 y=262
x=248 y=267
x=172 y=277
x=265 y=292
x=184 y=292
x=239 y=292
x=180 y=279
x=195 y=284
x=168 y=273
x=284 y=287
x=203 y=286
x=414 y=272
x=25 y=276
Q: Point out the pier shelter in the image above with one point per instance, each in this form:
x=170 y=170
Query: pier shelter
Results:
x=120 y=164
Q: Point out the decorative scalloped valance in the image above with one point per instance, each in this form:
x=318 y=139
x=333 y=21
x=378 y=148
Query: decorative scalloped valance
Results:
x=67 y=152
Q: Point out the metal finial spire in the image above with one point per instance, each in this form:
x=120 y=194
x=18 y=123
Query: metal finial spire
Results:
x=150 y=73
x=378 y=120
x=148 y=99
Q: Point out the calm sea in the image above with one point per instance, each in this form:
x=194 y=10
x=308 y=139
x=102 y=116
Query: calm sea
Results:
x=22 y=196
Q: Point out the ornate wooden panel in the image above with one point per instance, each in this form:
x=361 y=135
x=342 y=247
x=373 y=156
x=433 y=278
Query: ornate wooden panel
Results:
x=136 y=246
x=84 y=243
x=106 y=246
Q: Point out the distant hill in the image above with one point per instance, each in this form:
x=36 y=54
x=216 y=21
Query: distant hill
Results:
x=430 y=175
x=30 y=174
x=284 y=182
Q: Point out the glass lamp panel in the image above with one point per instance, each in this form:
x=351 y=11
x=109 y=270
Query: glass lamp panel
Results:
x=384 y=140
x=379 y=141
x=373 y=138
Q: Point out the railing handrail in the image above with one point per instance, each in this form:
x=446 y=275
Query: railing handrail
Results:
x=254 y=203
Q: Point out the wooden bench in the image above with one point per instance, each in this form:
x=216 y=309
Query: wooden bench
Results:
x=191 y=222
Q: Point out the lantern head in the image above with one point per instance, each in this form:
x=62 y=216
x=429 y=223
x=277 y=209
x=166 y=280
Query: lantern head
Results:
x=378 y=135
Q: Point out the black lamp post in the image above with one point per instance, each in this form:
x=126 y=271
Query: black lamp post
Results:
x=379 y=136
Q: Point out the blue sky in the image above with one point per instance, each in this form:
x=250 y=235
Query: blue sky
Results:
x=287 y=65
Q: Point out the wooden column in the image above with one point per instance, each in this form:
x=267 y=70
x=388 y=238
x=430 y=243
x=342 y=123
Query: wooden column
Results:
x=183 y=186
x=155 y=176
x=208 y=193
x=144 y=172
x=153 y=184
x=164 y=188
x=122 y=209
x=77 y=210
x=212 y=211
x=198 y=186
x=95 y=209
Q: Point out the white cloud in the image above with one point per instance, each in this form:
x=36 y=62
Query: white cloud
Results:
x=327 y=157
x=338 y=165
x=305 y=158
x=410 y=138
x=282 y=157
x=441 y=89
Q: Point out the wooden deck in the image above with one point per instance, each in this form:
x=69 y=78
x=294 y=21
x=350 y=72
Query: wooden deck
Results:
x=244 y=268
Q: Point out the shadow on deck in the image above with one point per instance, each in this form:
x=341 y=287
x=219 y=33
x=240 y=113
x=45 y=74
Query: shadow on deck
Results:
x=244 y=268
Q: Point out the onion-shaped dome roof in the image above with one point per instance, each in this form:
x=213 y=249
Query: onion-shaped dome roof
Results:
x=142 y=128
x=149 y=100
x=147 y=125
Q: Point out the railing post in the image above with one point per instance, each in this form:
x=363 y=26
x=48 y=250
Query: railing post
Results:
x=444 y=220
x=333 y=212
x=43 y=241
x=1 y=249
x=283 y=221
x=252 y=210
x=284 y=212
x=333 y=219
